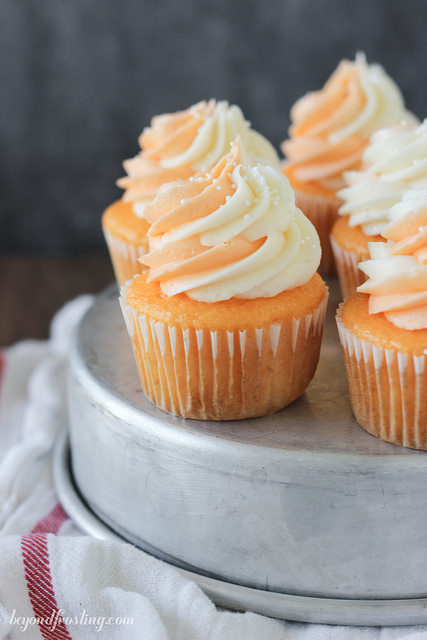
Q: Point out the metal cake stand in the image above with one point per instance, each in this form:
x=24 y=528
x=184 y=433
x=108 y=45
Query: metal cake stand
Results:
x=300 y=515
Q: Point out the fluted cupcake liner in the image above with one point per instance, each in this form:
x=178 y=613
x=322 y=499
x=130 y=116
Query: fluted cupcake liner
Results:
x=349 y=274
x=124 y=257
x=322 y=211
x=388 y=389
x=224 y=375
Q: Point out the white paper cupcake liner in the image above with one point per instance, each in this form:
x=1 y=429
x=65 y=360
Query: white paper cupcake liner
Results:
x=224 y=375
x=349 y=274
x=124 y=257
x=388 y=389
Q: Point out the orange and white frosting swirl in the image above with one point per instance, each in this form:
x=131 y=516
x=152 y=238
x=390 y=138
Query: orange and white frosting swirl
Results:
x=233 y=232
x=178 y=145
x=331 y=127
x=397 y=269
x=396 y=160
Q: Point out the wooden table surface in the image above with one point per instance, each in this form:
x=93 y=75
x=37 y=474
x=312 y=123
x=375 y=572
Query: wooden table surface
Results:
x=33 y=288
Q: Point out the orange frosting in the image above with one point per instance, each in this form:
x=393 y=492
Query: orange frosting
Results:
x=188 y=202
x=179 y=145
x=409 y=235
x=331 y=127
x=146 y=176
x=398 y=270
x=232 y=232
x=169 y=134
x=311 y=155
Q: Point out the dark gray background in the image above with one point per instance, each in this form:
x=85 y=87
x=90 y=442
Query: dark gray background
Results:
x=80 y=79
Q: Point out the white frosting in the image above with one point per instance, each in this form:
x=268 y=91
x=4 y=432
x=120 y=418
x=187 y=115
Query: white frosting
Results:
x=262 y=207
x=383 y=265
x=395 y=160
x=399 y=155
x=223 y=124
x=384 y=103
x=412 y=200
x=331 y=127
x=392 y=275
x=206 y=131
x=397 y=270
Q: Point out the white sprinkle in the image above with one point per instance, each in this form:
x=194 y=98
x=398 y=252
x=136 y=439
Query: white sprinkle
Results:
x=313 y=246
x=233 y=186
x=219 y=187
x=183 y=201
x=246 y=216
x=227 y=198
x=247 y=203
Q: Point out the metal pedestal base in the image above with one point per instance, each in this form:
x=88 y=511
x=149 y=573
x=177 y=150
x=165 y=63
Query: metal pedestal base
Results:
x=233 y=596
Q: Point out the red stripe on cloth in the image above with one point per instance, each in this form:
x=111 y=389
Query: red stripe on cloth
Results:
x=52 y=522
x=35 y=555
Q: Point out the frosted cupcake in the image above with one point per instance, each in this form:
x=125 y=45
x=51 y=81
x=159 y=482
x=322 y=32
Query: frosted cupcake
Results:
x=226 y=322
x=383 y=331
x=175 y=147
x=329 y=132
x=395 y=160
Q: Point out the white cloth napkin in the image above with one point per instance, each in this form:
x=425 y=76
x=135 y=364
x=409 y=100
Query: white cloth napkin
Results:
x=58 y=584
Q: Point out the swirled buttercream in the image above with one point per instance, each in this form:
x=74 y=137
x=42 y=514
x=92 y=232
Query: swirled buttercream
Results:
x=395 y=160
x=331 y=127
x=178 y=145
x=233 y=232
x=397 y=269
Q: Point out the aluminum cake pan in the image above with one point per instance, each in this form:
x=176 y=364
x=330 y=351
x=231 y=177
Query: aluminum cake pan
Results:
x=233 y=596
x=303 y=502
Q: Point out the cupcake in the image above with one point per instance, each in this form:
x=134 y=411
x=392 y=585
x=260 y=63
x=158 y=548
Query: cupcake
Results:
x=329 y=131
x=175 y=147
x=383 y=331
x=395 y=160
x=226 y=321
